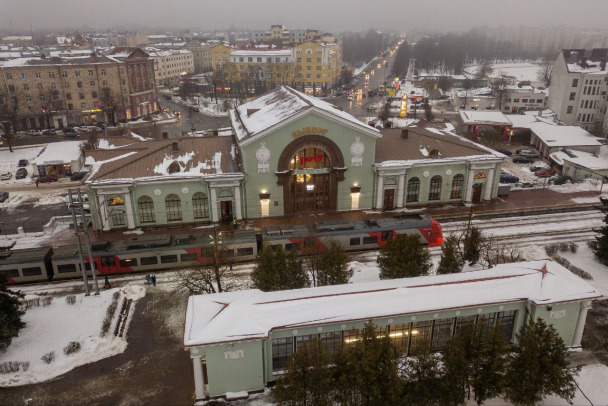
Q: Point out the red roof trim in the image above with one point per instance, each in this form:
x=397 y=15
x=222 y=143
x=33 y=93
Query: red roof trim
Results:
x=468 y=281
x=332 y=295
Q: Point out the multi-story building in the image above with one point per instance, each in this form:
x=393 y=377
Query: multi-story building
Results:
x=170 y=65
x=317 y=65
x=578 y=88
x=516 y=99
x=220 y=56
x=201 y=55
x=40 y=92
x=262 y=65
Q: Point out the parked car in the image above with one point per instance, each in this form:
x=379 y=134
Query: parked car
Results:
x=529 y=153
x=546 y=173
x=23 y=162
x=78 y=175
x=21 y=173
x=177 y=113
x=560 y=179
x=536 y=168
x=508 y=178
x=34 y=132
x=504 y=151
x=71 y=136
x=522 y=159
x=3 y=196
x=47 y=178
x=5 y=175
x=167 y=97
x=196 y=109
x=78 y=211
x=49 y=131
x=526 y=184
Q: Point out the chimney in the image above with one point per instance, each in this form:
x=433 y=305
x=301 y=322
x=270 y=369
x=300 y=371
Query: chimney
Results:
x=405 y=133
x=603 y=64
x=175 y=146
x=584 y=62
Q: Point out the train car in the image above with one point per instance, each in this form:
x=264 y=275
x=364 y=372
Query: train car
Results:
x=66 y=262
x=353 y=235
x=27 y=265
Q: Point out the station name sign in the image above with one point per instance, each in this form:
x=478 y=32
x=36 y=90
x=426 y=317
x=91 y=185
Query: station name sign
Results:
x=308 y=131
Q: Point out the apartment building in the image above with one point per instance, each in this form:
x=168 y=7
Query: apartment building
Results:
x=36 y=93
x=262 y=65
x=516 y=99
x=220 y=56
x=170 y=65
x=317 y=66
x=579 y=81
x=201 y=55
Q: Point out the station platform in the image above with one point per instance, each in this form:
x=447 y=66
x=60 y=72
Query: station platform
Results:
x=523 y=202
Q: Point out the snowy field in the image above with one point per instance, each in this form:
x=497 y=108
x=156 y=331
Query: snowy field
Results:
x=50 y=328
x=9 y=162
x=522 y=71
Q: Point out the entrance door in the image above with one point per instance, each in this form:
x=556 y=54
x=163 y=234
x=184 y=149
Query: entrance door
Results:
x=389 y=199
x=310 y=192
x=477 y=192
x=226 y=208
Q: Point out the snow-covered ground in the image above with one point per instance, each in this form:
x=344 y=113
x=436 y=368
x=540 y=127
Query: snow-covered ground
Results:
x=522 y=71
x=9 y=162
x=51 y=328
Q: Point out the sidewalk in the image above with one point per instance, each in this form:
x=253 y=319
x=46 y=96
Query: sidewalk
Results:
x=516 y=201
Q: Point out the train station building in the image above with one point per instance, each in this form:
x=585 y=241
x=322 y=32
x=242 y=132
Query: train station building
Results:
x=241 y=341
x=287 y=153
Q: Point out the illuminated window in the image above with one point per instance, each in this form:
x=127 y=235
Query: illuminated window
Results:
x=400 y=335
x=421 y=335
x=352 y=336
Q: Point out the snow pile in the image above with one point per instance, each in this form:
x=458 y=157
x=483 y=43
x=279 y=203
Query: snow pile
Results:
x=51 y=328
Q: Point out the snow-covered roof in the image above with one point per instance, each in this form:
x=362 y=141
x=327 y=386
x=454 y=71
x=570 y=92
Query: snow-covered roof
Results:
x=272 y=108
x=583 y=159
x=57 y=152
x=261 y=52
x=478 y=92
x=483 y=117
x=252 y=314
x=554 y=135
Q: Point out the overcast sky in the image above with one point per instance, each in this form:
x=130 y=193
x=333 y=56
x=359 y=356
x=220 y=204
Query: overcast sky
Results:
x=327 y=15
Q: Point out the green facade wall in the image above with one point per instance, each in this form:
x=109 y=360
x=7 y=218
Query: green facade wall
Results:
x=342 y=135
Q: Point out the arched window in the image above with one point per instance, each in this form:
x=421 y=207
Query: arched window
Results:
x=173 y=205
x=145 y=206
x=310 y=158
x=435 y=188
x=200 y=205
x=457 y=184
x=413 y=190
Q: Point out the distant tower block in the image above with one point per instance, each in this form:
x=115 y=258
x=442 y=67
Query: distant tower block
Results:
x=410 y=70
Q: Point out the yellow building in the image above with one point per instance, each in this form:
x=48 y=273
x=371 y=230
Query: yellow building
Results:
x=220 y=56
x=317 y=66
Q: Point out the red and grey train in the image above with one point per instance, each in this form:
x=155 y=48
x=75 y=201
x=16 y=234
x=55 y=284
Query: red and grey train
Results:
x=163 y=252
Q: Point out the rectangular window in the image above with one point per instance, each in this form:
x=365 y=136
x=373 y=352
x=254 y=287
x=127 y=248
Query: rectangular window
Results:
x=68 y=96
x=26 y=87
x=400 y=336
x=128 y=262
x=351 y=336
x=90 y=72
x=11 y=88
x=37 y=75
x=569 y=109
x=442 y=333
x=77 y=73
x=78 y=84
x=9 y=76
x=486 y=323
x=94 y=95
x=243 y=252
x=355 y=241
x=33 y=271
x=53 y=86
x=168 y=259
x=64 y=74
x=39 y=86
x=66 y=85
x=463 y=321
x=149 y=260
x=107 y=261
x=92 y=83
x=506 y=322
x=28 y=98
x=305 y=340
x=10 y=273
x=189 y=257
x=288 y=246
x=574 y=82
x=572 y=95
x=23 y=75
x=421 y=333
x=66 y=268
x=515 y=100
x=386 y=235
x=370 y=239
x=332 y=341
x=103 y=72
x=81 y=96
x=281 y=351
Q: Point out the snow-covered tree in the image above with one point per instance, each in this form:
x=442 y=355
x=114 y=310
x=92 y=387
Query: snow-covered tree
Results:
x=333 y=265
x=451 y=261
x=403 y=257
x=10 y=314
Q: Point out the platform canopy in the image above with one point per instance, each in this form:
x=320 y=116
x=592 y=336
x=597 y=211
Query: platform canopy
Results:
x=493 y=118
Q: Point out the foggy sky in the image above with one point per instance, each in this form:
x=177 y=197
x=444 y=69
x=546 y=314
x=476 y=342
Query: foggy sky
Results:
x=327 y=15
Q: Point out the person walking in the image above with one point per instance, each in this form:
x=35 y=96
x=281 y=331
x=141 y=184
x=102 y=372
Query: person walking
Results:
x=153 y=280
x=36 y=182
x=147 y=279
x=106 y=284
x=234 y=224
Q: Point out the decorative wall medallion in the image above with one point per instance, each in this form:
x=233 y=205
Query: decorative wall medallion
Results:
x=426 y=174
x=501 y=308
x=295 y=332
x=319 y=329
x=390 y=321
x=413 y=318
x=157 y=192
x=435 y=315
x=234 y=354
x=448 y=172
x=263 y=157
x=357 y=150
x=185 y=190
x=479 y=310
x=343 y=326
x=457 y=312
x=557 y=314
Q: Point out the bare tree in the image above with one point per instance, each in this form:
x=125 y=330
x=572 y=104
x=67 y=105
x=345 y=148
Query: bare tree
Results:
x=9 y=115
x=494 y=251
x=546 y=65
x=111 y=103
x=214 y=276
x=50 y=103
x=485 y=69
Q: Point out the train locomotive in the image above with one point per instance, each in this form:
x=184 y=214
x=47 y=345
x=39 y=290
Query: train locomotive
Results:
x=164 y=252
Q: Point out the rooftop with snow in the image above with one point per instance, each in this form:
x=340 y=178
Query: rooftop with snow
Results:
x=252 y=314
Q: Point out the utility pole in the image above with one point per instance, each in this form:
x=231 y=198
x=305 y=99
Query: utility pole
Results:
x=77 y=233
x=88 y=242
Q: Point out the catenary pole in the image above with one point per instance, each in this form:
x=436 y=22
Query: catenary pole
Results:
x=76 y=231
x=88 y=243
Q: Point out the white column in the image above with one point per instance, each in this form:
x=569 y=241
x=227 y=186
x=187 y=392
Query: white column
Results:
x=489 y=185
x=379 y=192
x=400 y=190
x=129 y=211
x=469 y=194
x=199 y=385
x=214 y=216
x=103 y=212
x=237 y=202
x=580 y=324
